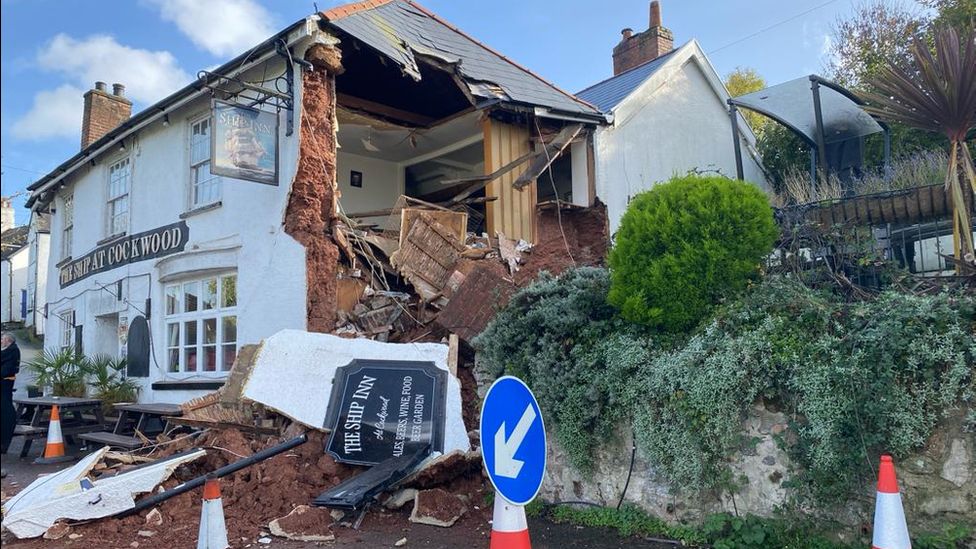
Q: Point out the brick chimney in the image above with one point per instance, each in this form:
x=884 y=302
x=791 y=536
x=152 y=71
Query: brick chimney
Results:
x=637 y=49
x=104 y=111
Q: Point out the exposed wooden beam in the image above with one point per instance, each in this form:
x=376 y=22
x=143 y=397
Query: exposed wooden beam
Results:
x=457 y=145
x=386 y=111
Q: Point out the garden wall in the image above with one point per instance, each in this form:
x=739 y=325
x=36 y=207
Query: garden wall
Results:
x=938 y=485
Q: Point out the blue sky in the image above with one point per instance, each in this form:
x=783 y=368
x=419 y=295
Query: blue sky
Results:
x=54 y=50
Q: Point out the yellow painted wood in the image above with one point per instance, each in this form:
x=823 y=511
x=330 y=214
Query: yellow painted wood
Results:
x=514 y=212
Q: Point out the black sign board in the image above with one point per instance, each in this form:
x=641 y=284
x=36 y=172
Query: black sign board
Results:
x=151 y=244
x=382 y=409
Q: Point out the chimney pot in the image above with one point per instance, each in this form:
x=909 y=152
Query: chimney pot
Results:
x=627 y=33
x=118 y=90
x=100 y=86
x=655 y=14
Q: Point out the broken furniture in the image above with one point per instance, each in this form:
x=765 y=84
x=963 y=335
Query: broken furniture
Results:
x=135 y=419
x=78 y=415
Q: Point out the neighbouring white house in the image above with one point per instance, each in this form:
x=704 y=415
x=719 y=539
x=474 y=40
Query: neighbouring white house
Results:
x=13 y=274
x=38 y=246
x=207 y=220
x=668 y=115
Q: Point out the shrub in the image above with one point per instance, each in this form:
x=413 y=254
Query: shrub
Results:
x=562 y=338
x=62 y=370
x=684 y=246
x=106 y=377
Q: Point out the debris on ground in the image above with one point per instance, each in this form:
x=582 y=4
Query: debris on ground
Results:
x=437 y=507
x=71 y=494
x=304 y=523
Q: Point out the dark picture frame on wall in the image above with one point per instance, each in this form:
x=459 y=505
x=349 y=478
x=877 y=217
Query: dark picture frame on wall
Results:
x=244 y=143
x=356 y=179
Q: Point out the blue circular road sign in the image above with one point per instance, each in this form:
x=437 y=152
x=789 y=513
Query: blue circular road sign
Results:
x=513 y=440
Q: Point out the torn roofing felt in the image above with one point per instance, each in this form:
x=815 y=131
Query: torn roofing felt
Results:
x=401 y=30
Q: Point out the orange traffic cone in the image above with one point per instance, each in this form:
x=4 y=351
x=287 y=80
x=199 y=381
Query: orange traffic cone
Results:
x=509 y=529
x=890 y=528
x=213 y=531
x=54 y=450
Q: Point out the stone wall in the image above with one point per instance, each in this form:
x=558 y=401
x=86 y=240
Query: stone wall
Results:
x=938 y=484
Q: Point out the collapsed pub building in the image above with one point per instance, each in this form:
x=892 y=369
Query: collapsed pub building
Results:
x=371 y=171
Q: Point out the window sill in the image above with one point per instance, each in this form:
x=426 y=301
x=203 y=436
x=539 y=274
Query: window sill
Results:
x=110 y=239
x=63 y=262
x=189 y=384
x=201 y=209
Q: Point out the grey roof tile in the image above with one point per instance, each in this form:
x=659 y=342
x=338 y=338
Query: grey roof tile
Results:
x=609 y=93
x=393 y=27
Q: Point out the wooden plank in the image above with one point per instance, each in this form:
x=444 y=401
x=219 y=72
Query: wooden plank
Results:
x=455 y=222
x=428 y=256
x=452 y=354
x=386 y=111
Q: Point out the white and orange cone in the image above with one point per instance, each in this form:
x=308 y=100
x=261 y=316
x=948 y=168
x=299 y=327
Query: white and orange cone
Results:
x=54 y=449
x=890 y=528
x=213 y=531
x=509 y=529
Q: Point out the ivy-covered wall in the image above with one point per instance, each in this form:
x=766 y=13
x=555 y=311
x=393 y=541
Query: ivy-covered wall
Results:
x=782 y=402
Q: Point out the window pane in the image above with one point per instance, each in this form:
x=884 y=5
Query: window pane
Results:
x=209 y=358
x=191 y=295
x=173 y=360
x=173 y=335
x=229 y=354
x=190 y=333
x=229 y=326
x=209 y=294
x=200 y=142
x=209 y=331
x=190 y=363
x=172 y=299
x=228 y=291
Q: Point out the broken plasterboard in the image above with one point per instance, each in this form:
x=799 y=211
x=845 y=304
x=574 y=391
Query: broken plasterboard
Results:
x=69 y=494
x=294 y=370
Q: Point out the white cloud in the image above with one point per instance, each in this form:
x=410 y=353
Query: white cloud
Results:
x=222 y=27
x=55 y=113
x=147 y=75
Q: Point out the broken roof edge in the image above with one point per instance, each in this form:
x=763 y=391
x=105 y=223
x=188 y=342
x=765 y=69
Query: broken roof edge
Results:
x=340 y=12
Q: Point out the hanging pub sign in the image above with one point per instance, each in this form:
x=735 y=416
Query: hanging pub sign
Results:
x=244 y=143
x=158 y=242
x=382 y=409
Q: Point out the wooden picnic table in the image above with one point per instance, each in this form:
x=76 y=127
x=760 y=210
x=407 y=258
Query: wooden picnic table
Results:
x=135 y=418
x=78 y=415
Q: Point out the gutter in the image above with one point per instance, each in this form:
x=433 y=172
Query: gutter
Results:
x=174 y=101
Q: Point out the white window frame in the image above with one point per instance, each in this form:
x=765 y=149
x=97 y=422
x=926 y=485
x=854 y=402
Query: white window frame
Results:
x=181 y=320
x=118 y=190
x=67 y=225
x=67 y=338
x=204 y=187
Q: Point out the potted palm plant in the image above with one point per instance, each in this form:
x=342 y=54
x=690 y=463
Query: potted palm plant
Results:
x=106 y=377
x=61 y=371
x=937 y=92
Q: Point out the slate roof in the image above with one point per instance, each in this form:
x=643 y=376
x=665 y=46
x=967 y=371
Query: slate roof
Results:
x=608 y=94
x=13 y=240
x=399 y=29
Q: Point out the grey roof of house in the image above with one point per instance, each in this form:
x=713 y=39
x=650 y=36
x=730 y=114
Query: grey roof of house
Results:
x=13 y=240
x=400 y=29
x=606 y=95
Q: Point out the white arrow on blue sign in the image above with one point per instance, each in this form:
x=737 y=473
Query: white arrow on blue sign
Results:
x=513 y=440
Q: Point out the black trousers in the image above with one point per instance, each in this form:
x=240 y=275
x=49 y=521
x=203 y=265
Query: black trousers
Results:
x=8 y=416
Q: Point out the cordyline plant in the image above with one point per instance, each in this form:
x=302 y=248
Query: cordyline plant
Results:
x=937 y=92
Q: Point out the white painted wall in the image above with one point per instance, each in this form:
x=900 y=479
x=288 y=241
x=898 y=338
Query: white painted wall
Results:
x=245 y=233
x=673 y=123
x=13 y=281
x=39 y=245
x=382 y=184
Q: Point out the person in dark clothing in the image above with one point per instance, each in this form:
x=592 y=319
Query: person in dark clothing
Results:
x=9 y=366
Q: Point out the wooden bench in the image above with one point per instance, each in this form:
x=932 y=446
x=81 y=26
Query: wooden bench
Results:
x=113 y=440
x=29 y=433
